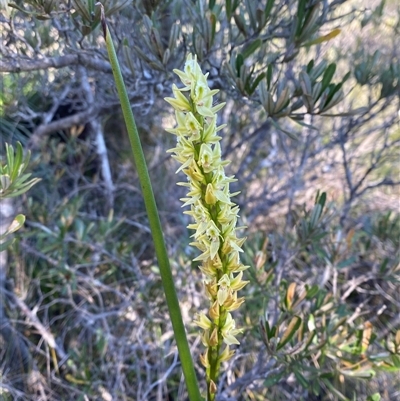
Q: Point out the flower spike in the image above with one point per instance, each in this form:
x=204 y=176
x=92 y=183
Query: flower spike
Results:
x=215 y=216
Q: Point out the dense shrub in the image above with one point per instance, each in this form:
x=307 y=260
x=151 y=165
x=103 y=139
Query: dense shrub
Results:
x=312 y=91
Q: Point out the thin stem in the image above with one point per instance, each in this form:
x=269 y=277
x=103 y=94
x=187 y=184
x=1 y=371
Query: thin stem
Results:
x=155 y=225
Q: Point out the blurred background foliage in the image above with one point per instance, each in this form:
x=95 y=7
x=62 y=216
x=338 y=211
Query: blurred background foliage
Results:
x=313 y=132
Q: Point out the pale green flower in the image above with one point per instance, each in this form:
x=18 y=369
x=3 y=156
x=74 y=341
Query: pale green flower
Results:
x=229 y=331
x=203 y=321
x=226 y=354
x=192 y=71
x=180 y=102
x=233 y=302
x=236 y=284
x=201 y=216
x=213 y=234
x=204 y=359
x=210 y=132
x=214 y=311
x=223 y=289
x=193 y=126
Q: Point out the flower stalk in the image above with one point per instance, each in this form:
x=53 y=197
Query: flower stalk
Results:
x=215 y=216
x=154 y=222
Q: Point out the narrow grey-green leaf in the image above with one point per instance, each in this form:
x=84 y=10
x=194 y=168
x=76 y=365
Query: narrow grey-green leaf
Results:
x=328 y=75
x=290 y=331
x=4 y=245
x=291 y=135
x=251 y=48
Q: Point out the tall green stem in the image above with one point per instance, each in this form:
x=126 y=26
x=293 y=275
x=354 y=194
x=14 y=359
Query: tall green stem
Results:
x=155 y=225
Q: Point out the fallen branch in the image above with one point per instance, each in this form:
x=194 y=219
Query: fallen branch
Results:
x=20 y=64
